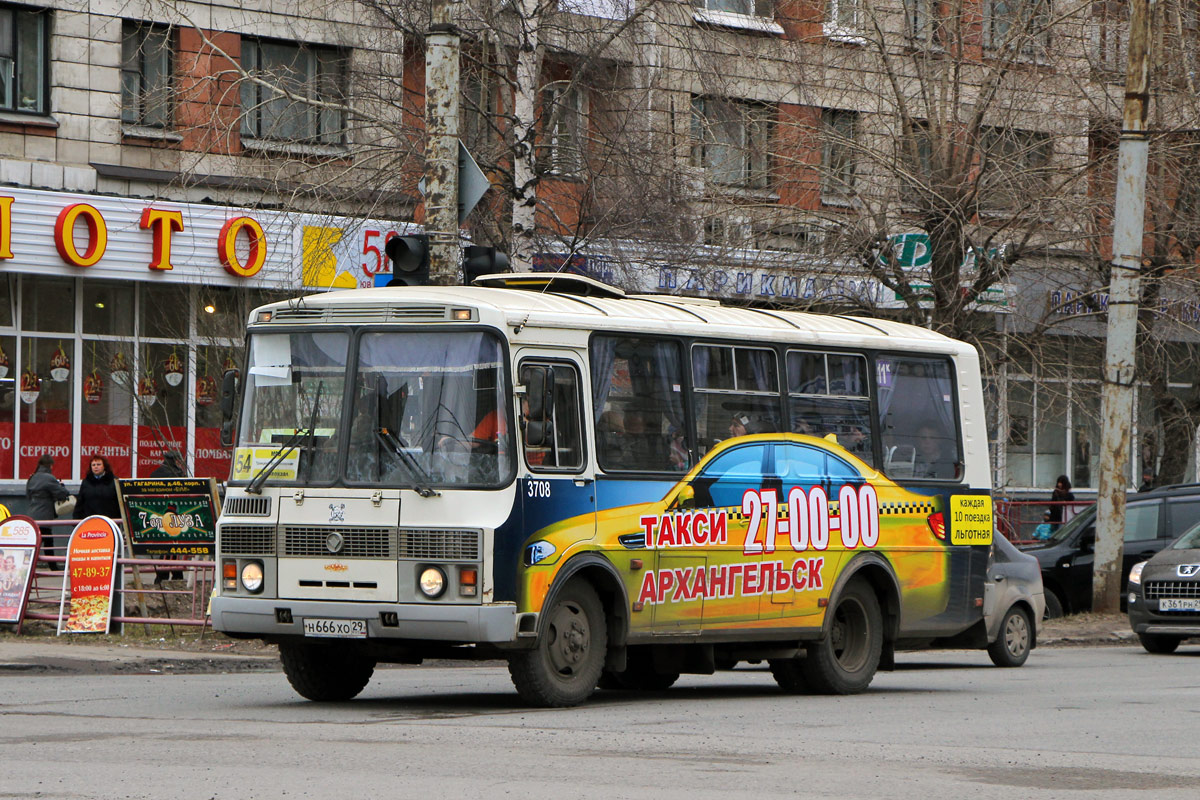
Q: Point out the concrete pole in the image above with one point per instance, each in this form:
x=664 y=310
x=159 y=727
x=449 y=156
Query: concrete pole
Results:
x=1116 y=401
x=441 y=143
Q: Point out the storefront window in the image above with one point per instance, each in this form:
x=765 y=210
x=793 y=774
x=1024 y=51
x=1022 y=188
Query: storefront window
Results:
x=1085 y=426
x=211 y=460
x=6 y=301
x=8 y=399
x=48 y=304
x=162 y=404
x=46 y=398
x=107 y=410
x=108 y=309
x=163 y=311
x=1051 y=434
x=222 y=312
x=1020 y=434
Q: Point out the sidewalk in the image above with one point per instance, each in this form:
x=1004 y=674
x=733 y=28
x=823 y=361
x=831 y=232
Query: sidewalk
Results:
x=57 y=655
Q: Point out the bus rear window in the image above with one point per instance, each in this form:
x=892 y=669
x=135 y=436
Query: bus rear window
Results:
x=918 y=418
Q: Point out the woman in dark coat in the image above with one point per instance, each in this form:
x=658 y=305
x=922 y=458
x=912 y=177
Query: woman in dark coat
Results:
x=1062 y=494
x=43 y=490
x=98 y=492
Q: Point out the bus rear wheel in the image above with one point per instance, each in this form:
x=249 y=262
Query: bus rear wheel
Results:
x=844 y=662
x=564 y=666
x=325 y=673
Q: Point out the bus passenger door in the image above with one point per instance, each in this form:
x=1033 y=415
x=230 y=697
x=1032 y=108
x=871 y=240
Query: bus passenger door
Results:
x=555 y=484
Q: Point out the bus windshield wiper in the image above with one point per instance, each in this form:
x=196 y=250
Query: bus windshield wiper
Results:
x=312 y=430
x=286 y=448
x=400 y=449
x=284 y=451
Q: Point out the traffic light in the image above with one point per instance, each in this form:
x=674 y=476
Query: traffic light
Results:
x=479 y=260
x=410 y=260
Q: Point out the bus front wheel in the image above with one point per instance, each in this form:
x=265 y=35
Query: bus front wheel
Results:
x=325 y=673
x=565 y=665
x=844 y=662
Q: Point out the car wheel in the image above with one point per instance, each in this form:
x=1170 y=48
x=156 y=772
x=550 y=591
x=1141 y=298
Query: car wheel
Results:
x=844 y=662
x=1054 y=606
x=1012 y=646
x=564 y=666
x=1159 y=644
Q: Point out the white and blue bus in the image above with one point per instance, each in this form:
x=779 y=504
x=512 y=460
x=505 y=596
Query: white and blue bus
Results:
x=605 y=490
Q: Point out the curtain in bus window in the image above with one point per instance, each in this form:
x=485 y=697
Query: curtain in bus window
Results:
x=604 y=354
x=637 y=390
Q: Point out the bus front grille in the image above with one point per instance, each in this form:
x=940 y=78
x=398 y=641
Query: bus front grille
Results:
x=248 y=540
x=315 y=540
x=432 y=544
x=248 y=506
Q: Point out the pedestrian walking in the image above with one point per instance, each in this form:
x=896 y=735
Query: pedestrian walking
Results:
x=43 y=491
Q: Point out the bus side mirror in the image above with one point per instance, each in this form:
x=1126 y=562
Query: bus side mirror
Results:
x=535 y=433
x=537 y=392
x=229 y=390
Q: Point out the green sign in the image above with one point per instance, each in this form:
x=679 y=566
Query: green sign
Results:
x=170 y=516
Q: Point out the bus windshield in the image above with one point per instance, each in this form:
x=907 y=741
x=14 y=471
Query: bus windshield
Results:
x=293 y=407
x=429 y=410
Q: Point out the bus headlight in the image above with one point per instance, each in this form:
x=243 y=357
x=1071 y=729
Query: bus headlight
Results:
x=1135 y=574
x=538 y=551
x=252 y=576
x=432 y=582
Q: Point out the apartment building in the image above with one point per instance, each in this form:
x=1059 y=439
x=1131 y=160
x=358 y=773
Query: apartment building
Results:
x=164 y=166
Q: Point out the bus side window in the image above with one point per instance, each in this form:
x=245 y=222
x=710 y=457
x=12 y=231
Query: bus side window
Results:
x=554 y=441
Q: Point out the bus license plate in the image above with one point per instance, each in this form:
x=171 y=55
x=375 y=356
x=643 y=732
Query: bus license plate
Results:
x=336 y=628
x=1185 y=604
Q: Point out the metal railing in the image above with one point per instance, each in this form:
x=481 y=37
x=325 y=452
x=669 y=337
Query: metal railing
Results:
x=1018 y=520
x=140 y=579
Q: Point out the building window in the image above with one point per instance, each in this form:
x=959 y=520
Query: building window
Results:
x=146 y=69
x=1018 y=25
x=24 y=36
x=303 y=80
x=730 y=141
x=1014 y=165
x=749 y=8
x=926 y=22
x=475 y=123
x=562 y=134
x=839 y=130
x=1110 y=38
x=843 y=17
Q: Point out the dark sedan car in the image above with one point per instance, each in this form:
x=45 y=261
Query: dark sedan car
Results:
x=1164 y=595
x=1152 y=521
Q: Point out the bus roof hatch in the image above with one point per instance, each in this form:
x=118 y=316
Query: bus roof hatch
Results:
x=556 y=282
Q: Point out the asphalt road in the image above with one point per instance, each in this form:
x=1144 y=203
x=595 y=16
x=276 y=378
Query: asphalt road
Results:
x=1073 y=723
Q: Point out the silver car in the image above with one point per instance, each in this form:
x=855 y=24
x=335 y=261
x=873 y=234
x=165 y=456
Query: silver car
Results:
x=1013 y=604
